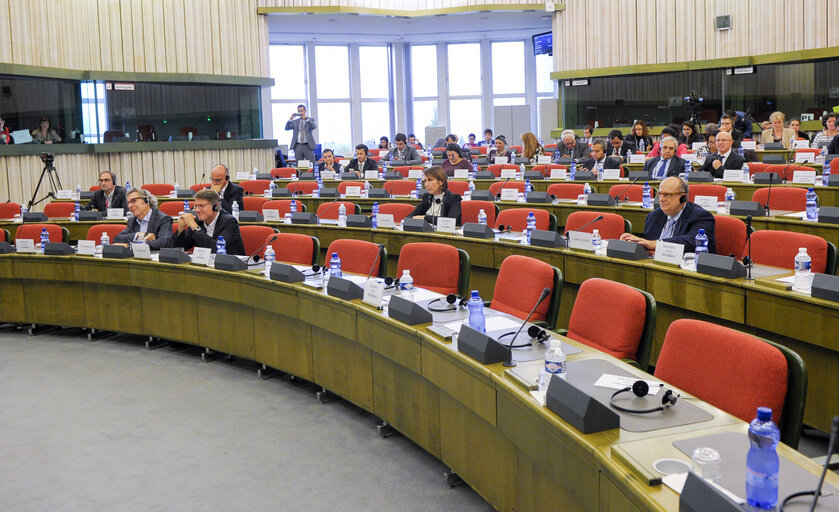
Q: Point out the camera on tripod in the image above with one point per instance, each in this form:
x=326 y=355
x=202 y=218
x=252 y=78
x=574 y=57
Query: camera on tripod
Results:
x=48 y=159
x=693 y=103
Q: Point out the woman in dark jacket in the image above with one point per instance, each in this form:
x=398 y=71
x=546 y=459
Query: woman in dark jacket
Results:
x=438 y=201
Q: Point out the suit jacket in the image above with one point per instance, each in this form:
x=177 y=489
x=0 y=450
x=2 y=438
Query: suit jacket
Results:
x=632 y=140
x=675 y=166
x=159 y=223
x=98 y=202
x=233 y=193
x=692 y=219
x=734 y=161
x=409 y=155
x=451 y=206
x=369 y=165
x=737 y=136
x=609 y=163
x=622 y=152
x=579 y=152
x=307 y=125
x=226 y=226
x=833 y=147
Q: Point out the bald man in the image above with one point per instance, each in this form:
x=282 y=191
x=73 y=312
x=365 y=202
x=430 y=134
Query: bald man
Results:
x=724 y=158
x=228 y=191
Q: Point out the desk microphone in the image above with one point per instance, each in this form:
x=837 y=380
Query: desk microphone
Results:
x=587 y=224
x=376 y=260
x=318 y=216
x=545 y=292
x=498 y=195
x=618 y=195
x=747 y=261
x=255 y=255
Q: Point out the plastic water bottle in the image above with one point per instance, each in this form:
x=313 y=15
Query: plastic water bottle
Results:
x=186 y=205
x=512 y=156
x=23 y=210
x=474 y=171
x=292 y=206
x=269 y=258
x=221 y=246
x=647 y=198
x=729 y=197
x=741 y=151
x=825 y=174
x=812 y=208
x=406 y=285
x=803 y=276
x=78 y=191
x=701 y=242
x=822 y=155
x=554 y=365
x=475 y=305
x=175 y=189
x=127 y=186
x=586 y=189
x=523 y=240
x=316 y=170
x=746 y=176
x=342 y=216
x=103 y=241
x=234 y=209
x=45 y=239
x=269 y=192
x=419 y=187
x=482 y=217
x=762 y=461
x=596 y=241
x=366 y=189
x=521 y=172
x=531 y=225
x=688 y=168
x=254 y=173
x=335 y=266
x=76 y=209
x=573 y=170
x=471 y=188
x=641 y=145
x=375 y=215
x=528 y=188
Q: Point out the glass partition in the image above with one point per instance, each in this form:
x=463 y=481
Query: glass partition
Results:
x=24 y=101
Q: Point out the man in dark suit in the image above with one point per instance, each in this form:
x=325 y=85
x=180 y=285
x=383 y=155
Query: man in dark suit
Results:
x=439 y=201
x=724 y=158
x=668 y=164
x=676 y=220
x=303 y=141
x=403 y=152
x=204 y=227
x=146 y=223
x=109 y=195
x=361 y=162
x=598 y=160
x=727 y=125
x=833 y=147
x=570 y=147
x=617 y=147
x=228 y=191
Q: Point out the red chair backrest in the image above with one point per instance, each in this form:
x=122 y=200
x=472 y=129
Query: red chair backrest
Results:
x=400 y=187
x=517 y=217
x=9 y=210
x=356 y=256
x=546 y=168
x=96 y=230
x=495 y=188
x=404 y=170
x=342 y=187
x=158 y=189
x=778 y=249
x=330 y=210
x=283 y=206
x=747 y=372
x=784 y=171
x=706 y=190
x=255 y=186
x=255 y=203
x=433 y=266
x=33 y=232
x=200 y=186
x=834 y=165
x=253 y=237
x=283 y=172
x=173 y=208
x=458 y=187
x=782 y=198
x=94 y=188
x=469 y=211
x=496 y=168
x=634 y=192
x=483 y=150
x=625 y=308
x=566 y=190
x=611 y=227
x=302 y=187
x=398 y=210
x=293 y=248
x=519 y=284
x=59 y=210
x=755 y=167
x=730 y=235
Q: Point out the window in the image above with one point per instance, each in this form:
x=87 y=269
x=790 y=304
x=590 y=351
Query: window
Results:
x=332 y=69
x=544 y=66
x=425 y=114
x=508 y=67
x=375 y=122
x=94 y=112
x=424 y=70
x=288 y=69
x=374 y=74
x=466 y=118
x=464 y=65
x=335 y=127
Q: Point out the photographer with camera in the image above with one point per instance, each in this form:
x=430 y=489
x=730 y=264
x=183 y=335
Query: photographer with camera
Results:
x=302 y=140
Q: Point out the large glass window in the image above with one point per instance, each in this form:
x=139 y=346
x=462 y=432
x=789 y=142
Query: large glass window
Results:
x=375 y=122
x=508 y=67
x=335 y=127
x=464 y=65
x=333 y=72
x=425 y=114
x=374 y=64
x=544 y=66
x=94 y=112
x=289 y=71
x=466 y=118
x=25 y=100
x=424 y=70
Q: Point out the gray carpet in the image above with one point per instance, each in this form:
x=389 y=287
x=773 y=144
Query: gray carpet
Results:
x=110 y=426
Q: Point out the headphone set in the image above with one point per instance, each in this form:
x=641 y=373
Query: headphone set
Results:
x=453 y=303
x=144 y=195
x=391 y=283
x=534 y=331
x=640 y=388
x=316 y=269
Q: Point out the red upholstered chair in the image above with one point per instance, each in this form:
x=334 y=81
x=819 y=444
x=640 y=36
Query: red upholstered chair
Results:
x=330 y=210
x=519 y=283
x=295 y=248
x=358 y=256
x=96 y=230
x=59 y=210
x=517 y=217
x=730 y=235
x=784 y=171
x=612 y=226
x=706 y=190
x=400 y=187
x=158 y=189
x=778 y=249
x=782 y=198
x=566 y=190
x=483 y=150
x=458 y=187
x=4 y=235
x=9 y=210
x=254 y=236
x=94 y=188
x=810 y=152
x=495 y=188
x=628 y=334
x=834 y=165
x=546 y=168
x=469 y=211
x=199 y=186
x=748 y=373
x=302 y=187
x=496 y=168
x=255 y=203
x=755 y=167
x=342 y=187
x=283 y=172
x=173 y=208
x=437 y=267
x=634 y=192
x=33 y=232
x=255 y=187
x=282 y=205
x=398 y=210
x=375 y=158
x=517 y=149
x=404 y=170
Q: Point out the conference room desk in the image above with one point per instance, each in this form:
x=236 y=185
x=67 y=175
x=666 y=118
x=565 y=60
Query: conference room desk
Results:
x=477 y=419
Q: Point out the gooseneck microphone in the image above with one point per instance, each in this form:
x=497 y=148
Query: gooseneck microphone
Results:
x=747 y=261
x=498 y=195
x=509 y=362
x=255 y=255
x=318 y=216
x=375 y=260
x=834 y=434
x=587 y=224
x=618 y=195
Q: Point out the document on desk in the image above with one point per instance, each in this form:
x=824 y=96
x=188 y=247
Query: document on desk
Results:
x=493 y=323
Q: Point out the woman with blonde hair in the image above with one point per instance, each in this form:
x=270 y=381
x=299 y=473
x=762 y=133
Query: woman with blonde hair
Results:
x=531 y=148
x=777 y=132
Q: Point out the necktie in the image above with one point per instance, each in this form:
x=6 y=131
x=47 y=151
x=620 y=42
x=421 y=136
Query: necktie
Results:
x=667 y=232
x=662 y=168
x=722 y=160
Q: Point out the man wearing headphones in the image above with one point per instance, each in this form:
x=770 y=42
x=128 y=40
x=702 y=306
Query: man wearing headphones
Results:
x=676 y=220
x=109 y=195
x=229 y=192
x=146 y=223
x=204 y=227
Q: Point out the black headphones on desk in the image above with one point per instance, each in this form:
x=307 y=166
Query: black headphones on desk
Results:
x=453 y=303
x=640 y=388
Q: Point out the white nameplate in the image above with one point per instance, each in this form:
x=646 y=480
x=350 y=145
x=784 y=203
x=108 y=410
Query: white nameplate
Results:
x=509 y=194
x=580 y=240
x=371 y=175
x=808 y=177
x=508 y=173
x=201 y=255
x=64 y=194
x=543 y=159
x=636 y=159
x=243 y=176
x=709 y=203
x=611 y=174
x=415 y=174
x=696 y=146
x=385 y=220
x=141 y=251
x=327 y=175
x=461 y=173
x=802 y=157
x=558 y=174
x=115 y=214
x=800 y=144
x=353 y=191
x=374 y=290
x=86 y=248
x=271 y=215
x=735 y=175
x=500 y=160
x=669 y=252
x=344 y=162
x=25 y=245
x=304 y=163
x=748 y=144
x=689 y=157
x=446 y=225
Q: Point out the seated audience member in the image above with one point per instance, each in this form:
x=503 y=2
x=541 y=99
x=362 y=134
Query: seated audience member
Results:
x=669 y=131
x=361 y=163
x=639 y=133
x=795 y=125
x=727 y=125
x=765 y=125
x=403 y=152
x=711 y=142
x=617 y=147
x=206 y=223
x=109 y=195
x=598 y=160
x=228 y=191
x=500 y=149
x=833 y=147
x=414 y=141
x=711 y=128
x=587 y=136
x=689 y=134
x=146 y=223
x=570 y=147
x=464 y=152
x=329 y=162
x=439 y=201
x=777 y=132
x=5 y=135
x=676 y=220
x=724 y=158
x=488 y=140
x=667 y=164
x=531 y=149
x=471 y=144
x=830 y=130
x=43 y=134
x=384 y=143
x=454 y=160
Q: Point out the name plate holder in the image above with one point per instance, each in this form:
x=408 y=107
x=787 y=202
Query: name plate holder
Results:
x=578 y=408
x=461 y=174
x=414 y=174
x=669 y=253
x=374 y=291
x=508 y=173
x=270 y=215
x=201 y=256
x=626 y=250
x=611 y=174
x=806 y=177
x=636 y=159
x=371 y=175
x=25 y=245
x=509 y=194
x=86 y=248
x=385 y=221
x=580 y=240
x=141 y=251
x=343 y=289
x=285 y=273
x=732 y=176
x=720 y=266
x=353 y=192
x=446 y=225
x=479 y=346
x=709 y=203
x=558 y=174
x=407 y=311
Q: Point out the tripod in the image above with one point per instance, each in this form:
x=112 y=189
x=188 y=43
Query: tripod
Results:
x=54 y=179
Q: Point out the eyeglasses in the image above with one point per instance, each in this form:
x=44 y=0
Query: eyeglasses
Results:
x=134 y=200
x=668 y=195
x=671 y=148
x=105 y=180
x=216 y=180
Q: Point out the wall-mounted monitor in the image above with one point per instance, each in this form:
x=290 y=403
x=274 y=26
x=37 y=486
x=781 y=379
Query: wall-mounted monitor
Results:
x=543 y=44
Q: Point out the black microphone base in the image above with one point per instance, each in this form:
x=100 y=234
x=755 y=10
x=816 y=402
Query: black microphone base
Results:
x=509 y=363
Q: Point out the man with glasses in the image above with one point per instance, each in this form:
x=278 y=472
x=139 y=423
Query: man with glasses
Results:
x=228 y=192
x=109 y=195
x=724 y=157
x=727 y=126
x=206 y=223
x=598 y=161
x=668 y=164
x=146 y=223
x=676 y=220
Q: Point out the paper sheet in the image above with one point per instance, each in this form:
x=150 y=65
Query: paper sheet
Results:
x=497 y=323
